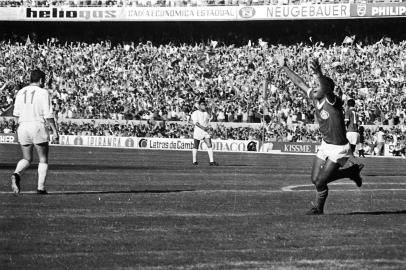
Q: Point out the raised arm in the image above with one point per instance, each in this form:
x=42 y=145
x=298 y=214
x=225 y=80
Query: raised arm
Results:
x=296 y=79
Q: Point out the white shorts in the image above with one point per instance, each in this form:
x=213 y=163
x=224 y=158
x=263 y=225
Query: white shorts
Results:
x=200 y=134
x=32 y=133
x=336 y=153
x=353 y=137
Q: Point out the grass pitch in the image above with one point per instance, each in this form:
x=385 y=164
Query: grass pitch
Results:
x=134 y=209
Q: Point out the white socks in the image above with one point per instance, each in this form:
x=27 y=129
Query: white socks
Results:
x=210 y=152
x=194 y=151
x=42 y=174
x=22 y=165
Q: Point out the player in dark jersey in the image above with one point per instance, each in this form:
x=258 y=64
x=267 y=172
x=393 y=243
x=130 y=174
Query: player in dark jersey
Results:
x=335 y=149
x=351 y=122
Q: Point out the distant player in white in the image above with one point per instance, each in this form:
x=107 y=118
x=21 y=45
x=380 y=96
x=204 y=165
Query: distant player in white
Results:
x=201 y=120
x=33 y=109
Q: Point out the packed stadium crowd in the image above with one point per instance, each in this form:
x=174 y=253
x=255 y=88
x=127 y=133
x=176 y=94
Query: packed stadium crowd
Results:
x=163 y=82
x=170 y=3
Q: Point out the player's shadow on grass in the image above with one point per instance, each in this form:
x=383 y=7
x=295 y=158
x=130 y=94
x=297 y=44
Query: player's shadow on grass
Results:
x=375 y=213
x=84 y=192
x=83 y=167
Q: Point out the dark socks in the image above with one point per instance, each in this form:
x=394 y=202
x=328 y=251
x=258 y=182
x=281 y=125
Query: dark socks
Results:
x=342 y=173
x=321 y=198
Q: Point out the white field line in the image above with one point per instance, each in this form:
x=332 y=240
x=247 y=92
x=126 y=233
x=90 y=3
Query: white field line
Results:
x=291 y=188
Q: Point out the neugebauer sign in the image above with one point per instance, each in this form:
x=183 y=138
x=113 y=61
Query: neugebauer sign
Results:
x=281 y=12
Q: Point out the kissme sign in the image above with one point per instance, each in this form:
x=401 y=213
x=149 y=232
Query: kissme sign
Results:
x=290 y=147
x=298 y=148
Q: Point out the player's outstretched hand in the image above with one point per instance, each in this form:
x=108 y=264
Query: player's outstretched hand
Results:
x=314 y=66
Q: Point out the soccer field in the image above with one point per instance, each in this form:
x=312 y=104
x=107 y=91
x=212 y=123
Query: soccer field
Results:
x=134 y=209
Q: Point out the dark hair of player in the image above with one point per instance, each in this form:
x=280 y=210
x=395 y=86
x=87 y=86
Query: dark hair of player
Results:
x=326 y=84
x=202 y=101
x=37 y=75
x=351 y=103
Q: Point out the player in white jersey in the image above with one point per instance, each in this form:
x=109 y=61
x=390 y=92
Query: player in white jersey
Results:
x=201 y=120
x=33 y=109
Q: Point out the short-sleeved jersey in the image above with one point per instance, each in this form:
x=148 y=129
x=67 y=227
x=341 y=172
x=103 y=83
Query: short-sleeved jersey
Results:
x=200 y=117
x=330 y=118
x=352 y=116
x=380 y=137
x=33 y=104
